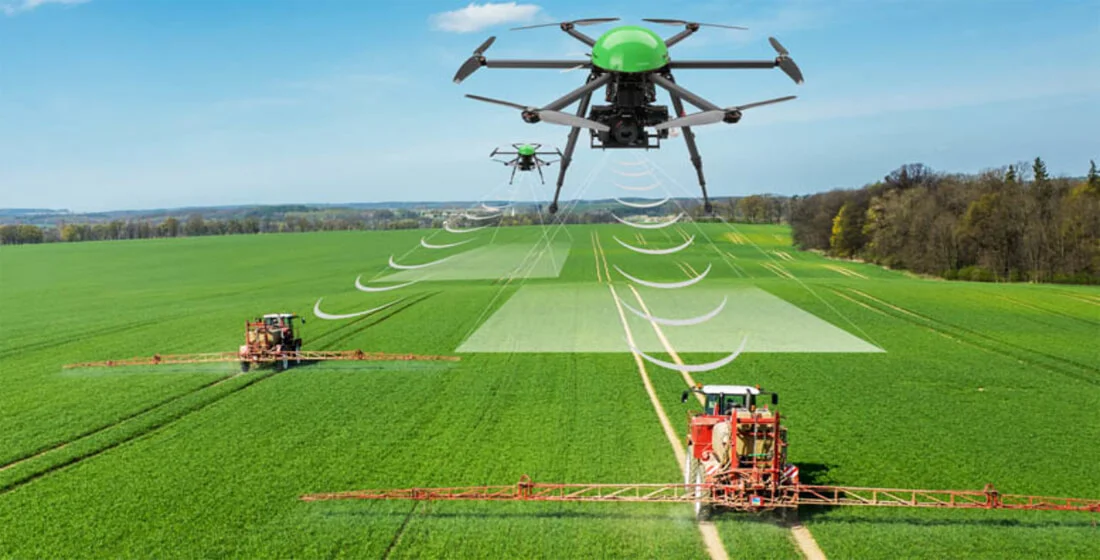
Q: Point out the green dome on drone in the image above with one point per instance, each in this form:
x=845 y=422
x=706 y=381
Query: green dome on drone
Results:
x=630 y=49
x=526 y=150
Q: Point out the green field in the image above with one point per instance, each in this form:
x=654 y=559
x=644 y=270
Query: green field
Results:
x=973 y=383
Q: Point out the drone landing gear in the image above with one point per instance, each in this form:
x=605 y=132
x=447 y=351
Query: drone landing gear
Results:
x=696 y=160
x=570 y=145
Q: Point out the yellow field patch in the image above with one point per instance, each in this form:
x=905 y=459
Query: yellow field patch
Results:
x=845 y=271
x=735 y=238
x=778 y=270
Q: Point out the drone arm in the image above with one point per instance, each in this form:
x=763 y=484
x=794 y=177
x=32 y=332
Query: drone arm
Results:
x=682 y=93
x=585 y=90
x=537 y=64
x=721 y=64
x=688 y=31
x=578 y=35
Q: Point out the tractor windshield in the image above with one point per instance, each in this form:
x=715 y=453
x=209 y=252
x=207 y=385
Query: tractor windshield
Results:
x=724 y=403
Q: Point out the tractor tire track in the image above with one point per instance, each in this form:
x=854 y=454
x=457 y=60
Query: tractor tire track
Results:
x=1050 y=311
x=371 y=321
x=860 y=303
x=712 y=541
x=1077 y=296
x=154 y=427
x=977 y=334
x=400 y=532
x=92 y=432
x=1068 y=368
x=85 y=335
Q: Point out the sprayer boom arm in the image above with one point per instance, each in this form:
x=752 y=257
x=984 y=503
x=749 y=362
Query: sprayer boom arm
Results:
x=786 y=496
x=301 y=355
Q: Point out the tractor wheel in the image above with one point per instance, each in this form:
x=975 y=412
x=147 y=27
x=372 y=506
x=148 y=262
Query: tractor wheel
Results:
x=702 y=509
x=694 y=474
x=244 y=366
x=688 y=460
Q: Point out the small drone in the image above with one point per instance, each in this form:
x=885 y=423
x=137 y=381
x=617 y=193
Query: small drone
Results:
x=630 y=62
x=527 y=158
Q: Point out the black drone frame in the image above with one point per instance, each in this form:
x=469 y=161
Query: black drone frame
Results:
x=539 y=163
x=598 y=78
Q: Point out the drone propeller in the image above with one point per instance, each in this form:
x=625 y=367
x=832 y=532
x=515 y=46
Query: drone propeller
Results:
x=547 y=115
x=474 y=62
x=579 y=66
x=729 y=114
x=691 y=23
x=784 y=61
x=587 y=21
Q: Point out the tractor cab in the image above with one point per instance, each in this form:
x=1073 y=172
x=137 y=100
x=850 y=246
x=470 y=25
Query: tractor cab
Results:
x=281 y=323
x=724 y=400
x=271 y=337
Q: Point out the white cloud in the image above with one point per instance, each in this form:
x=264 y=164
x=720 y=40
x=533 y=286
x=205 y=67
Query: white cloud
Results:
x=476 y=17
x=14 y=7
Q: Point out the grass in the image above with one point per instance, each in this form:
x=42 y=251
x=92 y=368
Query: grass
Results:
x=979 y=383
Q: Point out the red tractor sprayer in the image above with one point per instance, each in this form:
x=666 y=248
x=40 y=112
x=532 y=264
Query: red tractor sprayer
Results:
x=269 y=339
x=736 y=461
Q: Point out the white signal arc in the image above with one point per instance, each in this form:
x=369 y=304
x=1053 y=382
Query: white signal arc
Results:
x=476 y=218
x=330 y=316
x=668 y=251
x=678 y=322
x=649 y=226
x=427 y=245
x=665 y=285
x=696 y=368
x=643 y=204
x=363 y=288
x=647 y=188
x=632 y=173
x=449 y=229
x=415 y=266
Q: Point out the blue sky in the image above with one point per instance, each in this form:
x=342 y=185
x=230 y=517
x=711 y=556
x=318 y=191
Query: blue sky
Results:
x=109 y=104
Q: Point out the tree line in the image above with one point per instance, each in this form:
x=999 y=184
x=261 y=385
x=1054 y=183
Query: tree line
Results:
x=1015 y=223
x=263 y=221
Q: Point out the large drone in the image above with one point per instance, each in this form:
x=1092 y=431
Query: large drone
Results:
x=629 y=61
x=527 y=158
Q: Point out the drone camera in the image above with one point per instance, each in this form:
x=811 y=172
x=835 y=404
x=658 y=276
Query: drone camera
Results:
x=628 y=126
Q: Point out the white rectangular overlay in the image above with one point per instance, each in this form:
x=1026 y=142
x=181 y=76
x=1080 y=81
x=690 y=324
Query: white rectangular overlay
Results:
x=584 y=318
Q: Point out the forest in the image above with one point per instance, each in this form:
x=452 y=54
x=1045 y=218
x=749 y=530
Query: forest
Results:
x=1015 y=223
